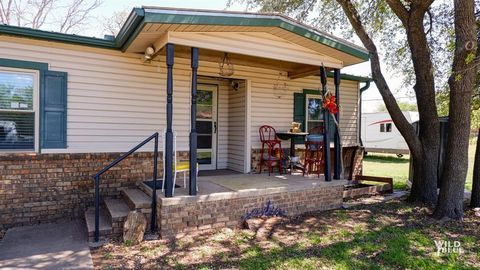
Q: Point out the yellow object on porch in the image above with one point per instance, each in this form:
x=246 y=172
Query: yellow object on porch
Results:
x=178 y=167
x=184 y=165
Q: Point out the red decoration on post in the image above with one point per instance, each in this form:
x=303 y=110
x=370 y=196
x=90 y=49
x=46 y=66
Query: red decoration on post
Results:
x=330 y=104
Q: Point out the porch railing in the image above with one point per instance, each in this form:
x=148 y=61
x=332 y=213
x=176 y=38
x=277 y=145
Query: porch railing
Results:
x=115 y=162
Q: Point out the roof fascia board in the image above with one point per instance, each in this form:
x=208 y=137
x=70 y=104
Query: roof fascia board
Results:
x=134 y=20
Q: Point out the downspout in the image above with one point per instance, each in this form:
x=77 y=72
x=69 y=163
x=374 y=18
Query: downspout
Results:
x=365 y=87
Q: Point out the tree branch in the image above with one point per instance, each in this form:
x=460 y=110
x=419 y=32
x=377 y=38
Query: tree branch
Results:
x=430 y=19
x=399 y=9
x=405 y=128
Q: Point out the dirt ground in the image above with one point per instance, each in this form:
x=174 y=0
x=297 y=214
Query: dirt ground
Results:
x=391 y=235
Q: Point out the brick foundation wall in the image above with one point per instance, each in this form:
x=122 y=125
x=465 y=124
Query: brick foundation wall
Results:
x=179 y=215
x=38 y=188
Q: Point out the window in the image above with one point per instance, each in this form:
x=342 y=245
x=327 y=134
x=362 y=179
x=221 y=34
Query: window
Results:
x=389 y=127
x=314 y=112
x=386 y=127
x=18 y=117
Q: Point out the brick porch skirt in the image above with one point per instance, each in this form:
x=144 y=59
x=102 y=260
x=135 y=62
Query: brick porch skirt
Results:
x=184 y=213
x=39 y=188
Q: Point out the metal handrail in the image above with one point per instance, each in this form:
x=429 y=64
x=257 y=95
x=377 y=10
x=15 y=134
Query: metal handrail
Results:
x=115 y=162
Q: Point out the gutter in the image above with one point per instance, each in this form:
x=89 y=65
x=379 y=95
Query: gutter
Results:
x=365 y=87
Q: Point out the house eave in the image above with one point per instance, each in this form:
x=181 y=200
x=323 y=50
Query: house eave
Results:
x=139 y=17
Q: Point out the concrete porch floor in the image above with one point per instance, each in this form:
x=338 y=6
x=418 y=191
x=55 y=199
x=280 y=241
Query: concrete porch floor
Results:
x=237 y=182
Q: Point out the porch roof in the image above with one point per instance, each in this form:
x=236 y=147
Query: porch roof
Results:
x=265 y=35
x=147 y=25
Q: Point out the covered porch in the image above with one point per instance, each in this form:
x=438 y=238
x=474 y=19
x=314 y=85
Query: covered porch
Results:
x=293 y=50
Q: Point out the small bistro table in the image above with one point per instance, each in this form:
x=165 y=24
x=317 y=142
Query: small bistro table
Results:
x=291 y=136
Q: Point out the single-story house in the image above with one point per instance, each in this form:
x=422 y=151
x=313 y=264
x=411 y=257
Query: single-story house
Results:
x=70 y=105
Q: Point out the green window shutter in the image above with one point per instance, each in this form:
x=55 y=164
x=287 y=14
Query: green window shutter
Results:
x=299 y=113
x=53 y=109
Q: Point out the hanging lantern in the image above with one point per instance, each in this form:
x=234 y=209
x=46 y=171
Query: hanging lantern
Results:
x=226 y=66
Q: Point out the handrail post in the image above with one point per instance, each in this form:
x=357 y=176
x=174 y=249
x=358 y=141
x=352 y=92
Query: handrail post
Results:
x=154 y=193
x=97 y=209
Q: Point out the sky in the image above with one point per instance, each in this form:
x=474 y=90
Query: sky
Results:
x=371 y=98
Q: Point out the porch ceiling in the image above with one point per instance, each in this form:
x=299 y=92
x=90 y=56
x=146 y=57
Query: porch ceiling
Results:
x=256 y=44
x=295 y=70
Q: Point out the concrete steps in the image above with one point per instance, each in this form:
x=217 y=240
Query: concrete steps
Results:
x=105 y=224
x=117 y=210
x=136 y=199
x=114 y=213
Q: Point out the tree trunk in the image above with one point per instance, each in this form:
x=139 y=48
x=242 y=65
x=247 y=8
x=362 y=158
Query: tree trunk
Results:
x=475 y=200
x=426 y=190
x=423 y=148
x=461 y=82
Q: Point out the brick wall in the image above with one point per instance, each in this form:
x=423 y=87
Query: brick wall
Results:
x=178 y=215
x=37 y=188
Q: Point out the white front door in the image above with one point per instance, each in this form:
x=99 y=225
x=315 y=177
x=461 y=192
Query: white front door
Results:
x=207 y=126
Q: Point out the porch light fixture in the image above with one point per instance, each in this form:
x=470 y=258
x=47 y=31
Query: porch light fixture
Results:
x=226 y=66
x=280 y=86
x=148 y=56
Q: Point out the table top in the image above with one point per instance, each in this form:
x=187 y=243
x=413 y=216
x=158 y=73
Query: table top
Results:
x=293 y=133
x=287 y=135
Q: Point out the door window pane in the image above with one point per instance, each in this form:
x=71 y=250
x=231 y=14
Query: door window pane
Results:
x=204 y=141
x=204 y=111
x=204 y=157
x=204 y=97
x=204 y=127
x=17 y=115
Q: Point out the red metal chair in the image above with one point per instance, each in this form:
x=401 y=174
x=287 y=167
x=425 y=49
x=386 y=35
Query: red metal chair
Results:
x=268 y=138
x=313 y=157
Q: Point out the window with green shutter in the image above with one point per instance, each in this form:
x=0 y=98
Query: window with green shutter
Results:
x=33 y=106
x=308 y=110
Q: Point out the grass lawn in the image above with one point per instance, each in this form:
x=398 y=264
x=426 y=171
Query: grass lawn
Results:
x=388 y=165
x=392 y=235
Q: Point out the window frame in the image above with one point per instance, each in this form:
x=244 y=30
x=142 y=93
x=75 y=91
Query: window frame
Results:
x=307 y=96
x=35 y=110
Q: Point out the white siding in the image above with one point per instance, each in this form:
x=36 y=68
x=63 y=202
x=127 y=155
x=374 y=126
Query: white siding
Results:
x=115 y=101
x=236 y=128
